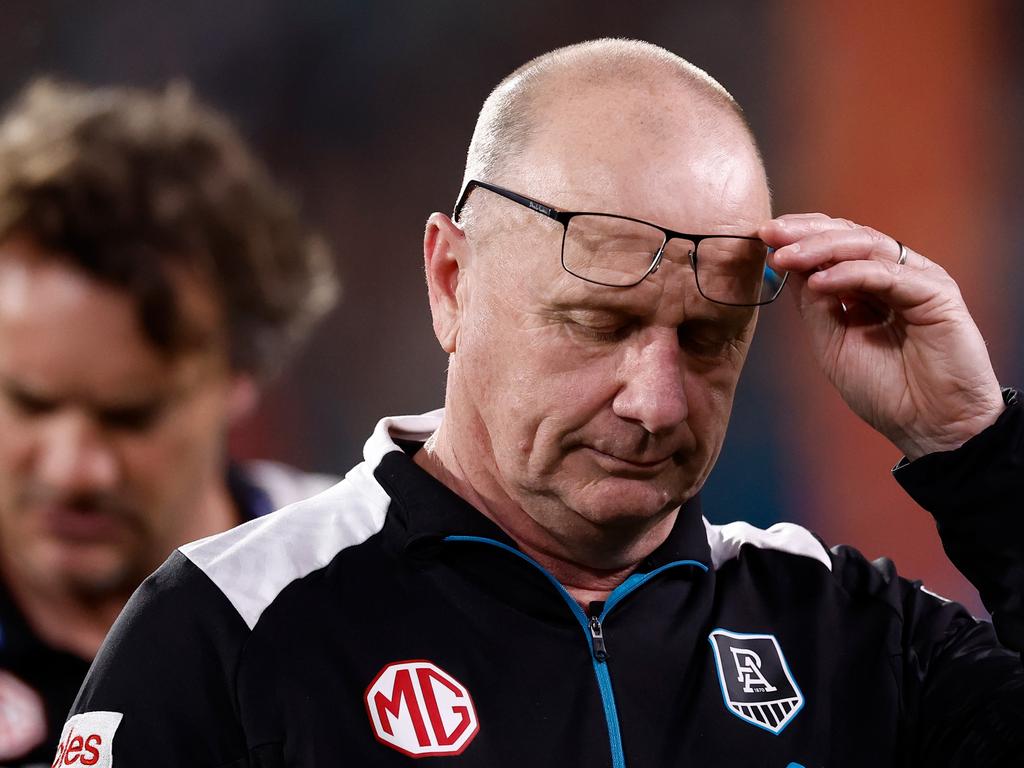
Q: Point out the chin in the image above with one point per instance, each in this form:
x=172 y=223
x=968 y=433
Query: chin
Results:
x=90 y=571
x=615 y=501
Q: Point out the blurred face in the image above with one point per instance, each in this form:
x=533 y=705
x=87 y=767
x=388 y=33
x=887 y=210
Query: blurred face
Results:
x=106 y=444
x=600 y=407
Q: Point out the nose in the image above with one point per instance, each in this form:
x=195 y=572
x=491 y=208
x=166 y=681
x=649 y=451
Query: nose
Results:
x=75 y=456
x=652 y=392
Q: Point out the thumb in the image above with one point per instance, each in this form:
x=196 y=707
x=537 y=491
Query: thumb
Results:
x=822 y=315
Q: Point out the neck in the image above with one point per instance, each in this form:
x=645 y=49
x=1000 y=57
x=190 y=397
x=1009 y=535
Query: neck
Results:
x=61 y=618
x=76 y=619
x=589 y=565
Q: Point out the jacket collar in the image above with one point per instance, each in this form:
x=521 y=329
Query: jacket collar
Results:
x=424 y=510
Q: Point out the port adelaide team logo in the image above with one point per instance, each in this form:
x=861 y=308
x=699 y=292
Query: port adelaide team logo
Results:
x=419 y=709
x=756 y=682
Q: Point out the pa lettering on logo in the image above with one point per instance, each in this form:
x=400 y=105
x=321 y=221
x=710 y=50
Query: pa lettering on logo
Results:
x=756 y=682
x=419 y=709
x=87 y=740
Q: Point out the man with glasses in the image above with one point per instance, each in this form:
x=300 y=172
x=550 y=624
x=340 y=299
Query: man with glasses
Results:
x=526 y=578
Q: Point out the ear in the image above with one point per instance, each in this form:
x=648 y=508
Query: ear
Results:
x=243 y=394
x=444 y=253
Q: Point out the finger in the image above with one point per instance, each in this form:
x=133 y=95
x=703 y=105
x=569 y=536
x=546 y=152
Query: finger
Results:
x=829 y=246
x=894 y=285
x=790 y=227
x=903 y=255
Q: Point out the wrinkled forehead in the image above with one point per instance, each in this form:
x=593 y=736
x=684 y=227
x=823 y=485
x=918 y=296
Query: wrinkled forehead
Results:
x=654 y=151
x=658 y=152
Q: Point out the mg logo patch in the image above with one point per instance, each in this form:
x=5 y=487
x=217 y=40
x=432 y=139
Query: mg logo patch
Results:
x=756 y=682
x=419 y=709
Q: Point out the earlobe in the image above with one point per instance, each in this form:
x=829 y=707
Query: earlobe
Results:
x=444 y=248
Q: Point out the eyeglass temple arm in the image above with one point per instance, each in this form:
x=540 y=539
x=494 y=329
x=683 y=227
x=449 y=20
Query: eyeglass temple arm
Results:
x=508 y=194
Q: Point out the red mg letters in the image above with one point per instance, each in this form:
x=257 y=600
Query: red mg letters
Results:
x=419 y=709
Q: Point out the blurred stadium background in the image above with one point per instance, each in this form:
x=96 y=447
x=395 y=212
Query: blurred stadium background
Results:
x=907 y=116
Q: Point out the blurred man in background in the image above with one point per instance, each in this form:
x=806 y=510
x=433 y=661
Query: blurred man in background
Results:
x=152 y=278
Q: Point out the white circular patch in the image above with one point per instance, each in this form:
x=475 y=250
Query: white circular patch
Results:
x=22 y=717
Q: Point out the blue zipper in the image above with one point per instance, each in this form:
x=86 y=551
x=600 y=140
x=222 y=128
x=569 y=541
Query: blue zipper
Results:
x=593 y=631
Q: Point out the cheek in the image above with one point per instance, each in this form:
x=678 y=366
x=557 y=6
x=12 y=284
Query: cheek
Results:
x=709 y=395
x=571 y=398
x=17 y=448
x=528 y=381
x=557 y=382
x=178 y=457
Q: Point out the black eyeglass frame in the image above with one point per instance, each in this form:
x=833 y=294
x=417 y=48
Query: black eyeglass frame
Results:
x=564 y=217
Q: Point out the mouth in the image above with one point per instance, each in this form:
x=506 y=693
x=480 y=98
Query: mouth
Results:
x=642 y=466
x=77 y=524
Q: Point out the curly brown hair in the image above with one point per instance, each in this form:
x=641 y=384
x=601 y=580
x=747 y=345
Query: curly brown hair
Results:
x=131 y=186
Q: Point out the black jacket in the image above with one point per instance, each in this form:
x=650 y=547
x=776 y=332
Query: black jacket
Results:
x=386 y=620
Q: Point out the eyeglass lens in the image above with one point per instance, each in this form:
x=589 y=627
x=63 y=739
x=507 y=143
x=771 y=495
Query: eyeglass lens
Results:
x=614 y=251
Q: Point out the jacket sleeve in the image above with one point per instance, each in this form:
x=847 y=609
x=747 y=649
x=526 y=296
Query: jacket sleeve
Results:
x=161 y=690
x=959 y=692
x=976 y=494
x=963 y=682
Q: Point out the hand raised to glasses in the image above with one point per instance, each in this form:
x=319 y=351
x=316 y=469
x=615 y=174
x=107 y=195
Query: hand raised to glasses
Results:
x=895 y=339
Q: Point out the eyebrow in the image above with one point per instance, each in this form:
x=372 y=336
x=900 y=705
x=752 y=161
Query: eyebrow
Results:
x=612 y=302
x=18 y=389
x=21 y=391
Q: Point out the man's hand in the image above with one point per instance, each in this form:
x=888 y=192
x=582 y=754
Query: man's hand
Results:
x=896 y=340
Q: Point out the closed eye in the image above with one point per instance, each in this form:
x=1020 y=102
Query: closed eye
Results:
x=28 y=404
x=600 y=327
x=132 y=419
x=603 y=335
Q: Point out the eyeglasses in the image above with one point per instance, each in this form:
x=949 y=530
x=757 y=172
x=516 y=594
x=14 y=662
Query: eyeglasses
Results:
x=619 y=251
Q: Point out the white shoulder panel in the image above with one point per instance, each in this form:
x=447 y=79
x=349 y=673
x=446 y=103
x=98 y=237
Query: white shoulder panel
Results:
x=253 y=563
x=726 y=540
